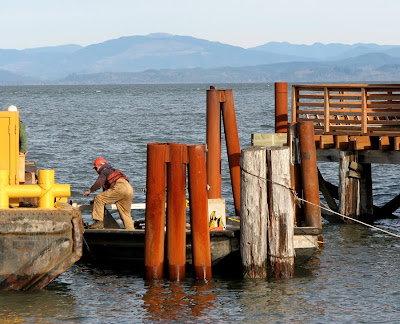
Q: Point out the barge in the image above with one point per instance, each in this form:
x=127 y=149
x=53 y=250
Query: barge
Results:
x=40 y=233
x=118 y=247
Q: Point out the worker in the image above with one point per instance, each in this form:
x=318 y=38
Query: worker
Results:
x=116 y=188
x=23 y=137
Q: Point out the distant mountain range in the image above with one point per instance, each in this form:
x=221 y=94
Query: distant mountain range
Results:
x=165 y=58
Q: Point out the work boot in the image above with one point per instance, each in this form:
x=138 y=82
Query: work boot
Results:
x=96 y=225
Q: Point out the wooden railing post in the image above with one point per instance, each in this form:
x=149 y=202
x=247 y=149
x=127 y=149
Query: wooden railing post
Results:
x=295 y=93
x=326 y=111
x=364 y=121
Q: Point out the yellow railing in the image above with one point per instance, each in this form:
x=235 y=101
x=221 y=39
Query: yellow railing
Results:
x=348 y=109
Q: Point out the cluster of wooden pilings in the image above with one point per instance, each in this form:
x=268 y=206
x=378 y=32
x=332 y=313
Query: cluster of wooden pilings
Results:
x=274 y=180
x=166 y=169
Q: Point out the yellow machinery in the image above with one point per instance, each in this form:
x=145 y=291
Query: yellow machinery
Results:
x=10 y=188
x=9 y=144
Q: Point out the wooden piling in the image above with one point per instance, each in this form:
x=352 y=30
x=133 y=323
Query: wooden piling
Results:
x=348 y=187
x=366 y=196
x=253 y=213
x=213 y=139
x=281 y=107
x=176 y=211
x=155 y=211
x=280 y=213
x=197 y=175
x=309 y=174
x=232 y=145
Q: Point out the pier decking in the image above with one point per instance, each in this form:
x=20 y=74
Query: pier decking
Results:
x=358 y=117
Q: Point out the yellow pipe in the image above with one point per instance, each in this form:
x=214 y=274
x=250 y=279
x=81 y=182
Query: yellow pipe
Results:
x=46 y=190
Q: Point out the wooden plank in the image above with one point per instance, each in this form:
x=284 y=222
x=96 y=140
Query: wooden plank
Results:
x=365 y=143
x=385 y=143
x=367 y=156
x=372 y=96
x=383 y=105
x=311 y=104
x=269 y=139
x=311 y=96
x=346 y=104
x=396 y=143
x=326 y=141
x=342 y=142
x=344 y=96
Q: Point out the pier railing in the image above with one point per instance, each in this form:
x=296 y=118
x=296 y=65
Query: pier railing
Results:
x=350 y=109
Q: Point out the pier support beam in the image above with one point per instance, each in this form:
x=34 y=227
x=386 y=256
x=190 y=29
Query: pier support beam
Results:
x=348 y=187
x=355 y=188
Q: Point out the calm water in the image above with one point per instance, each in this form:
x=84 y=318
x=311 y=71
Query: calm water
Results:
x=353 y=279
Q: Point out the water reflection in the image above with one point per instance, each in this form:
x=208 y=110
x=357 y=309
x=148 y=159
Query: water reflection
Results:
x=176 y=301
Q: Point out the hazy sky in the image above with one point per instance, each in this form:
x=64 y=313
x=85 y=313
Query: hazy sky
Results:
x=245 y=23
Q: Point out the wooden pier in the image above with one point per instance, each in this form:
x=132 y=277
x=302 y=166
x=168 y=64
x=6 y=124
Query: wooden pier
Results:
x=354 y=125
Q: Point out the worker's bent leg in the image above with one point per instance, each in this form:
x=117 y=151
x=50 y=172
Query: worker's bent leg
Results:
x=125 y=202
x=102 y=199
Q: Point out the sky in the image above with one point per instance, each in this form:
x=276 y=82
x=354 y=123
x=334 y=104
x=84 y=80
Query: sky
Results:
x=244 y=23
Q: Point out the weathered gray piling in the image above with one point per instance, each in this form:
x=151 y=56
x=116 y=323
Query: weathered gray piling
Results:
x=267 y=213
x=281 y=217
x=253 y=212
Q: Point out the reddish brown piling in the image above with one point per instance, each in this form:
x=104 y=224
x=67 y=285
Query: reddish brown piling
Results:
x=176 y=211
x=155 y=210
x=309 y=174
x=213 y=143
x=281 y=107
x=295 y=170
x=199 y=212
x=232 y=145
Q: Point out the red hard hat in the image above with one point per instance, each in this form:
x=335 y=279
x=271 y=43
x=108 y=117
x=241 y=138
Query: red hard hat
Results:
x=99 y=161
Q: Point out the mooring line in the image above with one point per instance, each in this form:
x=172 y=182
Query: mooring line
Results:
x=298 y=200
x=347 y=217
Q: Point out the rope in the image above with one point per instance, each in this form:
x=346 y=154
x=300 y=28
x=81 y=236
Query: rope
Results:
x=298 y=200
x=347 y=217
